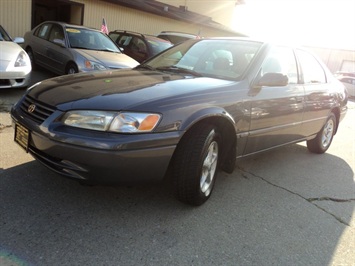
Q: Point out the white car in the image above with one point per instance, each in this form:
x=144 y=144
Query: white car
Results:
x=15 y=65
x=349 y=83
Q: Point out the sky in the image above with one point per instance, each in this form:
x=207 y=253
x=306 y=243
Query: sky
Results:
x=320 y=23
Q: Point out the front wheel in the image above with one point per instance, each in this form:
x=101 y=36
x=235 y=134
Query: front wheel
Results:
x=71 y=69
x=32 y=59
x=195 y=164
x=322 y=141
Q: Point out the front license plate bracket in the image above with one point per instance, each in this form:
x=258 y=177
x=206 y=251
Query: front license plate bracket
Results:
x=22 y=136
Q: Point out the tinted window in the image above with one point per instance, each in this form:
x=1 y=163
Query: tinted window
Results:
x=281 y=60
x=138 y=45
x=125 y=41
x=311 y=69
x=114 y=36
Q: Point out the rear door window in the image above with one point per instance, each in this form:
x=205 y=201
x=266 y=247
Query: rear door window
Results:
x=312 y=71
x=43 y=31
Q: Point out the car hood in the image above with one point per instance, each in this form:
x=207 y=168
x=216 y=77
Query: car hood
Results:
x=8 y=52
x=125 y=90
x=109 y=59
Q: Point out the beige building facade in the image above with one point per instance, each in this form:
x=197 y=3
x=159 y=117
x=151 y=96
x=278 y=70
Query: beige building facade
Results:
x=336 y=59
x=220 y=10
x=204 y=17
x=19 y=16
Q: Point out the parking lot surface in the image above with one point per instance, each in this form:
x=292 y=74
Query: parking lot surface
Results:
x=284 y=207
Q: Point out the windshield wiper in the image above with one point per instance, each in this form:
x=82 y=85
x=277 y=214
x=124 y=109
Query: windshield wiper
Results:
x=179 y=70
x=79 y=47
x=106 y=50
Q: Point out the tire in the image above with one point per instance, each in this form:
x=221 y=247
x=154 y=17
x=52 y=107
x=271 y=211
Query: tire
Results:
x=32 y=59
x=322 y=141
x=195 y=164
x=71 y=69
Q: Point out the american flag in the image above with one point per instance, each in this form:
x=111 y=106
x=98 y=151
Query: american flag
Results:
x=104 y=28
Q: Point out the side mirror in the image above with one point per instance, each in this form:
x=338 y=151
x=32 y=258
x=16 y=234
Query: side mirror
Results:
x=19 y=40
x=272 y=80
x=59 y=42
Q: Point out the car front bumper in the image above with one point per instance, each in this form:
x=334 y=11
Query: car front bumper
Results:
x=99 y=157
x=14 y=80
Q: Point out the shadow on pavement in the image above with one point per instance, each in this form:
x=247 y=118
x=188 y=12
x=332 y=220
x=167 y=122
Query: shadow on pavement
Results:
x=8 y=97
x=262 y=214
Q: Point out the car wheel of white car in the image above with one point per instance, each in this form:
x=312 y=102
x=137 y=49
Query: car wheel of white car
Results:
x=196 y=164
x=322 y=141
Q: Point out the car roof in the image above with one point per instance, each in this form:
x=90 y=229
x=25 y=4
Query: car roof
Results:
x=177 y=33
x=146 y=36
x=67 y=25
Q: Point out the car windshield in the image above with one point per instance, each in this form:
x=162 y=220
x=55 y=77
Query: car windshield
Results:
x=225 y=59
x=90 y=39
x=3 y=35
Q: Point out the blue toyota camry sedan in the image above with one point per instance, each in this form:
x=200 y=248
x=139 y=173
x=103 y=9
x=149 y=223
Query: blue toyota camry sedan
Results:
x=191 y=111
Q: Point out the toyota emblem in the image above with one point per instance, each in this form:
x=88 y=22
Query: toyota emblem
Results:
x=31 y=108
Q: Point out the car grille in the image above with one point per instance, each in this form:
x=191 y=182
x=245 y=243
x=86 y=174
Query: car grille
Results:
x=5 y=82
x=37 y=111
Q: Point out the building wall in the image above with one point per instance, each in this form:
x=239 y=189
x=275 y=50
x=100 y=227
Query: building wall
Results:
x=220 y=11
x=336 y=60
x=119 y=17
x=15 y=16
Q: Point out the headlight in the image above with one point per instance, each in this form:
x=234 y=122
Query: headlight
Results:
x=22 y=60
x=94 y=65
x=125 y=122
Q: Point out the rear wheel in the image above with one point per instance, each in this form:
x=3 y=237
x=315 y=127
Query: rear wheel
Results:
x=322 y=141
x=196 y=164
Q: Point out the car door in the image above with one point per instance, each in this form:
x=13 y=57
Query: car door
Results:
x=318 y=97
x=276 y=111
x=38 y=43
x=57 y=54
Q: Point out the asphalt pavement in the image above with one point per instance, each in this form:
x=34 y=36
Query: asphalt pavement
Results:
x=284 y=207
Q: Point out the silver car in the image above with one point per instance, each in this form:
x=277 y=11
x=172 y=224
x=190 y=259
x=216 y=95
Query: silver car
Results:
x=15 y=65
x=66 y=49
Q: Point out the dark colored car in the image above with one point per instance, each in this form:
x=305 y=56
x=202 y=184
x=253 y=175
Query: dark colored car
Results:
x=66 y=49
x=139 y=46
x=193 y=109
